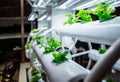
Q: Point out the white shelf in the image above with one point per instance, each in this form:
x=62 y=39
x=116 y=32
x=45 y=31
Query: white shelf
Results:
x=68 y=71
x=97 y=32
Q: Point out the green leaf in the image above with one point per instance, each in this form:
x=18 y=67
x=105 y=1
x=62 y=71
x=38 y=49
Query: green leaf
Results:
x=39 y=40
x=35 y=78
x=70 y=19
x=34 y=71
x=34 y=31
x=84 y=16
x=102 y=50
x=60 y=56
x=27 y=45
x=103 y=11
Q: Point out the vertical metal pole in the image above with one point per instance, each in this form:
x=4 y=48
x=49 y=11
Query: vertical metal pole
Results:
x=22 y=30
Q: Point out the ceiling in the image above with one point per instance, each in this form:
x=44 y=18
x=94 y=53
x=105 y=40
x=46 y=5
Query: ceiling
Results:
x=11 y=8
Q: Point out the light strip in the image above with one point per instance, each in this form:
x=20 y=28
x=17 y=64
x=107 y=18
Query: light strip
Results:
x=40 y=2
x=64 y=5
x=43 y=17
x=89 y=4
x=32 y=17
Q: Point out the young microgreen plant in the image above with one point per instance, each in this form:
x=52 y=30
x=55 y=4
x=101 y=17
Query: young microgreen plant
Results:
x=102 y=50
x=103 y=11
x=27 y=45
x=71 y=19
x=60 y=57
x=39 y=40
x=52 y=45
x=36 y=75
x=34 y=31
x=84 y=16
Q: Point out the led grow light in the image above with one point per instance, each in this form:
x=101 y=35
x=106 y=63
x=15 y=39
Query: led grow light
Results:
x=89 y=4
x=68 y=3
x=42 y=17
x=32 y=16
x=43 y=3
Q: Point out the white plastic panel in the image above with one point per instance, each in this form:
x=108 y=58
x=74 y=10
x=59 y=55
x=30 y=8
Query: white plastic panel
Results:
x=68 y=71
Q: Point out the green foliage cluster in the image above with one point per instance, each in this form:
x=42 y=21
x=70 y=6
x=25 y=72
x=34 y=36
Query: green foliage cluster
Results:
x=84 y=16
x=52 y=45
x=103 y=11
x=39 y=40
x=59 y=56
x=71 y=19
x=102 y=50
x=35 y=75
x=34 y=31
x=27 y=45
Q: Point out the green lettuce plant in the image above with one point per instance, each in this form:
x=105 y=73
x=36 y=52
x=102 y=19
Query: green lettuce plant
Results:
x=34 y=31
x=102 y=50
x=52 y=45
x=35 y=78
x=35 y=75
x=103 y=11
x=34 y=71
x=83 y=16
x=39 y=40
x=71 y=19
x=27 y=45
x=60 y=56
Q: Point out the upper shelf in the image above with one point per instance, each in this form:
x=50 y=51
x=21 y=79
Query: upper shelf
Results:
x=98 y=32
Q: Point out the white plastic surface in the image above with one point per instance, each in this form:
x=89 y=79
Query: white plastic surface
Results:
x=68 y=71
x=94 y=55
x=97 y=32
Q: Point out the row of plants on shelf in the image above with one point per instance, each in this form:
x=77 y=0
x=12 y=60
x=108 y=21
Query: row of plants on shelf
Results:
x=50 y=45
x=27 y=45
x=36 y=75
x=103 y=11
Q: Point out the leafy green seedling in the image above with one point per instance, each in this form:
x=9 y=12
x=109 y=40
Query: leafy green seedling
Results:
x=52 y=45
x=60 y=56
x=35 y=75
x=102 y=50
x=103 y=11
x=34 y=31
x=39 y=40
x=84 y=16
x=27 y=45
x=35 y=78
x=71 y=19
x=34 y=71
